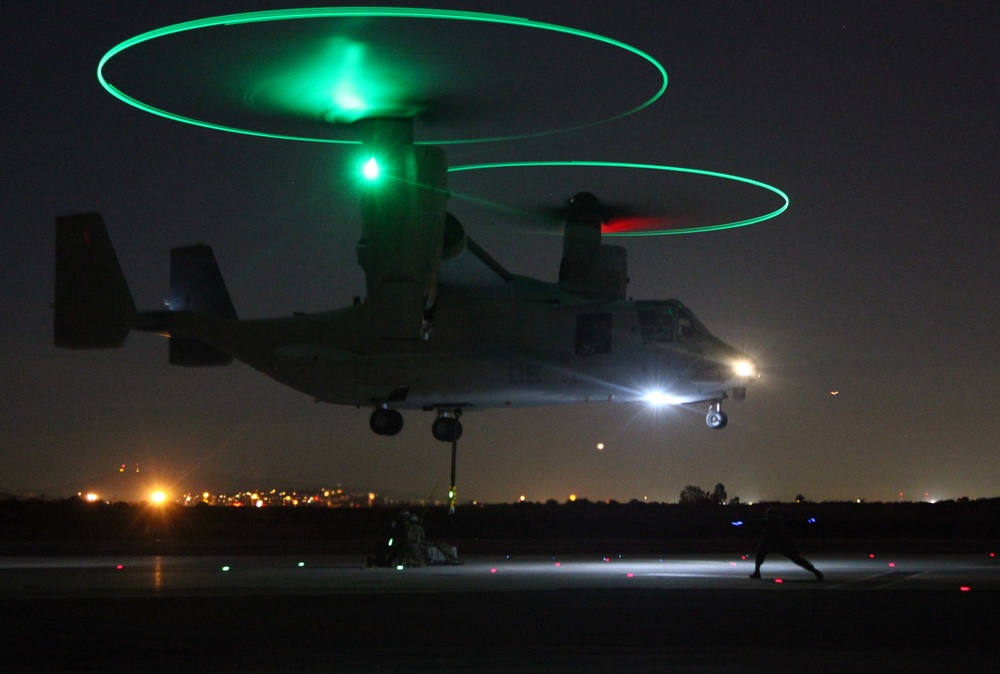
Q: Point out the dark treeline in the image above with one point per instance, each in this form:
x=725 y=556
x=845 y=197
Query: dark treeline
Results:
x=534 y=526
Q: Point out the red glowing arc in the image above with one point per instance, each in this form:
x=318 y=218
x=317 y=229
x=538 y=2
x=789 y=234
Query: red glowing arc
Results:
x=642 y=223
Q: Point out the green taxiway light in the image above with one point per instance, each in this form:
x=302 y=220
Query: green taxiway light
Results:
x=344 y=91
x=654 y=167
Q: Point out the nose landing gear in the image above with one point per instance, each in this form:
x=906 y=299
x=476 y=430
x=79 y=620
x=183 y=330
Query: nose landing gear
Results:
x=716 y=418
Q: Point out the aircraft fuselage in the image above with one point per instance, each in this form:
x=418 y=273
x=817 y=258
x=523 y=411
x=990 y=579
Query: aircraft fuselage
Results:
x=526 y=343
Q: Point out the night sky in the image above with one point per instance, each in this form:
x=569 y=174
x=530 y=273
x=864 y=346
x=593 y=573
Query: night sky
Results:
x=880 y=282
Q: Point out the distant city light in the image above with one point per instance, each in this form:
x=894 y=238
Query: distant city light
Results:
x=90 y=497
x=600 y=445
x=572 y=497
x=158 y=497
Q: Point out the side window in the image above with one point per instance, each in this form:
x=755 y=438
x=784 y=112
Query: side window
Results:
x=593 y=334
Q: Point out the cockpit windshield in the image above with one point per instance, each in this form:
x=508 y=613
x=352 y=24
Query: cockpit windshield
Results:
x=662 y=322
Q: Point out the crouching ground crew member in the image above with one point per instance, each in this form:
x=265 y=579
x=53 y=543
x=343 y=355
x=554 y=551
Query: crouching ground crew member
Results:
x=774 y=538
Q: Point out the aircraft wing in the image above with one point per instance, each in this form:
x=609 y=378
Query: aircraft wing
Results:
x=473 y=268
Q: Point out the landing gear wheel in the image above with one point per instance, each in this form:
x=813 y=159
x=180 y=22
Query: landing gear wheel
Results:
x=716 y=418
x=386 y=422
x=446 y=429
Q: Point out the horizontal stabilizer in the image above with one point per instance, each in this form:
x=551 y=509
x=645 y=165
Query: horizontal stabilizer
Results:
x=93 y=305
x=193 y=353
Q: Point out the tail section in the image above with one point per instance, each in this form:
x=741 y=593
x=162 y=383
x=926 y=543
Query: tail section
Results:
x=93 y=306
x=196 y=285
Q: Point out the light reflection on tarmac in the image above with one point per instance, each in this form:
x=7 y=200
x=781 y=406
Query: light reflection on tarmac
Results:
x=131 y=576
x=318 y=613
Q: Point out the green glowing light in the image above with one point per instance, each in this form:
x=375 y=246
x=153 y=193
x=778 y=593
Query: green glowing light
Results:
x=339 y=95
x=370 y=170
x=338 y=83
x=653 y=167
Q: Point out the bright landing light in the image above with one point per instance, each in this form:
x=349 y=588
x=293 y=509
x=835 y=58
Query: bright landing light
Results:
x=658 y=399
x=744 y=368
x=158 y=497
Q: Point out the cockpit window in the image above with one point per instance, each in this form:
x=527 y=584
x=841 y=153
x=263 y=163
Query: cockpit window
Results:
x=668 y=321
x=656 y=324
x=688 y=327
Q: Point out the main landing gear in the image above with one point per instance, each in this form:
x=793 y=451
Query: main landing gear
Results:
x=385 y=421
x=447 y=428
x=716 y=418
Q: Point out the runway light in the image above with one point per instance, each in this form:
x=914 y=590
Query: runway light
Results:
x=301 y=564
x=964 y=588
x=558 y=564
x=400 y=567
x=493 y=570
x=893 y=564
x=120 y=567
x=630 y=575
x=778 y=580
x=225 y=568
x=871 y=556
x=732 y=563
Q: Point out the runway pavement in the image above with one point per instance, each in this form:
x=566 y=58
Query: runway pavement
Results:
x=317 y=613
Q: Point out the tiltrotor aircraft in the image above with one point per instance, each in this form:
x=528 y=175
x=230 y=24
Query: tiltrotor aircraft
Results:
x=443 y=327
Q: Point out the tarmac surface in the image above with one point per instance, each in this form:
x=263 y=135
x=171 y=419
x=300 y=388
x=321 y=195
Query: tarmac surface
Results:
x=259 y=614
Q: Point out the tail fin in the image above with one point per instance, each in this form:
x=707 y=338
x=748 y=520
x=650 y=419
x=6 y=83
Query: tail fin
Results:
x=93 y=305
x=196 y=285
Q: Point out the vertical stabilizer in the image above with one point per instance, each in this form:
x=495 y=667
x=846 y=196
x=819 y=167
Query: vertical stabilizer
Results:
x=196 y=285
x=93 y=305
